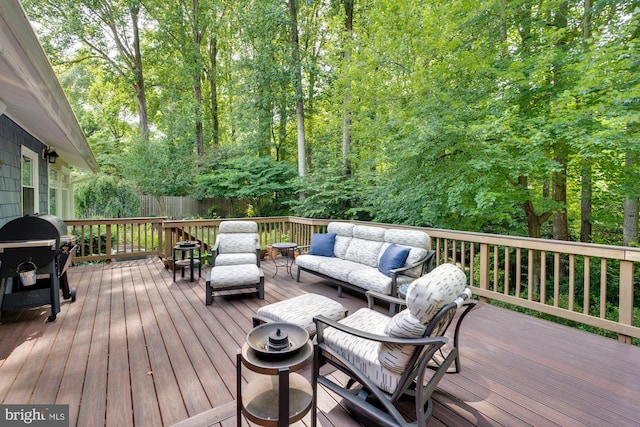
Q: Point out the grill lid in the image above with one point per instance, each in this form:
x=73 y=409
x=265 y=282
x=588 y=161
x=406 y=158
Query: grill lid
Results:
x=33 y=227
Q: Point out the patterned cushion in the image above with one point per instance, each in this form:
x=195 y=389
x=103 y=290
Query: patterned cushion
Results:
x=301 y=310
x=361 y=352
x=238 y=227
x=231 y=275
x=364 y=252
x=414 y=255
x=414 y=238
x=371 y=279
x=340 y=246
x=425 y=297
x=312 y=262
x=233 y=243
x=235 y=259
x=428 y=294
x=338 y=268
x=341 y=228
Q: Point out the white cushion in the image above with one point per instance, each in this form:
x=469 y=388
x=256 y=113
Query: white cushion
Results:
x=232 y=275
x=302 y=309
x=361 y=352
x=236 y=259
x=425 y=297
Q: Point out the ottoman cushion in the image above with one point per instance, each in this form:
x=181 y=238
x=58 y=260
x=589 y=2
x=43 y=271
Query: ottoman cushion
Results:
x=302 y=309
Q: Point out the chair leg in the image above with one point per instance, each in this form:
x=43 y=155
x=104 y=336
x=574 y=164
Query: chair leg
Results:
x=209 y=296
x=261 y=287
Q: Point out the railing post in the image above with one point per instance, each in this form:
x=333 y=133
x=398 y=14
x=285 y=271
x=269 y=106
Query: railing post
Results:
x=484 y=268
x=625 y=315
x=107 y=243
x=167 y=240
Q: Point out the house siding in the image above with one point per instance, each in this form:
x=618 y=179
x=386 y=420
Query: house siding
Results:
x=12 y=137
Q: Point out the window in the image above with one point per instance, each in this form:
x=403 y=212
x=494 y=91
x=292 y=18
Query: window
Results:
x=30 y=199
x=59 y=203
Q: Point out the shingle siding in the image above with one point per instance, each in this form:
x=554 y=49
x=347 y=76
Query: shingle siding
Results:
x=12 y=137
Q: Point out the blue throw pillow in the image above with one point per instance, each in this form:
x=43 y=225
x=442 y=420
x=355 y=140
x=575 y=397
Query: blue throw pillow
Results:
x=322 y=244
x=394 y=257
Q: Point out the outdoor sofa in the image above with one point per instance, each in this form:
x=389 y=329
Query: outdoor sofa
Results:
x=367 y=258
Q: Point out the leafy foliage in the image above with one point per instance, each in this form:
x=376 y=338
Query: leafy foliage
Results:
x=106 y=197
x=458 y=114
x=266 y=183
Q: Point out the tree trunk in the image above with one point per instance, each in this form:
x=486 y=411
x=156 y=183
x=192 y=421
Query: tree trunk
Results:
x=560 y=219
x=215 y=121
x=585 y=206
x=586 y=179
x=295 y=52
x=197 y=79
x=143 y=120
x=630 y=224
x=346 y=115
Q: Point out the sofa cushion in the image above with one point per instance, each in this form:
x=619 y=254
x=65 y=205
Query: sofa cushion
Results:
x=344 y=234
x=310 y=262
x=393 y=257
x=364 y=251
x=322 y=244
x=414 y=256
x=339 y=269
x=413 y=238
x=370 y=279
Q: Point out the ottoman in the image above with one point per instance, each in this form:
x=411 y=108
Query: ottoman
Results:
x=232 y=277
x=300 y=311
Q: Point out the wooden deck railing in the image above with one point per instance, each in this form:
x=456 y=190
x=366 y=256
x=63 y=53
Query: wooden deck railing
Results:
x=563 y=279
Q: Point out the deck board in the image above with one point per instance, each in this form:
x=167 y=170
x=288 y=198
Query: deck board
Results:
x=137 y=349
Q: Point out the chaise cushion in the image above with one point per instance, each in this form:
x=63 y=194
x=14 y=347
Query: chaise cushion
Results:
x=393 y=257
x=322 y=244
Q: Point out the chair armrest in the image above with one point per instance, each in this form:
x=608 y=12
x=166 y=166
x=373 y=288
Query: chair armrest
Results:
x=321 y=321
x=372 y=295
x=299 y=248
x=427 y=259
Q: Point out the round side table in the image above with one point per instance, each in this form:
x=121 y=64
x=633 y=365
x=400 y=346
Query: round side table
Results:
x=270 y=401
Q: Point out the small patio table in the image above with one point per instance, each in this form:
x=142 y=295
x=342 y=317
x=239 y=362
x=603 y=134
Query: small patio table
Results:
x=287 y=248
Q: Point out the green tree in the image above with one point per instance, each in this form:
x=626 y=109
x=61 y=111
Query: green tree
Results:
x=106 y=197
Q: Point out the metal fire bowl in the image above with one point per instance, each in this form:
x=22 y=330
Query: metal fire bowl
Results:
x=258 y=339
x=187 y=244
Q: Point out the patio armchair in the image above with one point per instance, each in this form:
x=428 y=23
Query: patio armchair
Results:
x=237 y=243
x=235 y=260
x=390 y=358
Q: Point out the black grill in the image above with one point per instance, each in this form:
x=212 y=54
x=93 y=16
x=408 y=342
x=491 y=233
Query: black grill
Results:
x=37 y=242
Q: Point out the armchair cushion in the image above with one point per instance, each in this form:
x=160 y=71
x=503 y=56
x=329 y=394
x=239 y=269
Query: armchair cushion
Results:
x=322 y=244
x=238 y=242
x=236 y=259
x=393 y=257
x=363 y=353
x=425 y=297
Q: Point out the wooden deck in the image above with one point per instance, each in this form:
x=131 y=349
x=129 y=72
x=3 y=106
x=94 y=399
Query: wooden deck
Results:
x=136 y=349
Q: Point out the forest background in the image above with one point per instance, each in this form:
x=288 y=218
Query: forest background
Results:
x=514 y=117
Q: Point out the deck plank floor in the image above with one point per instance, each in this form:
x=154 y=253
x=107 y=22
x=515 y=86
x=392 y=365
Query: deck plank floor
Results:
x=137 y=349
